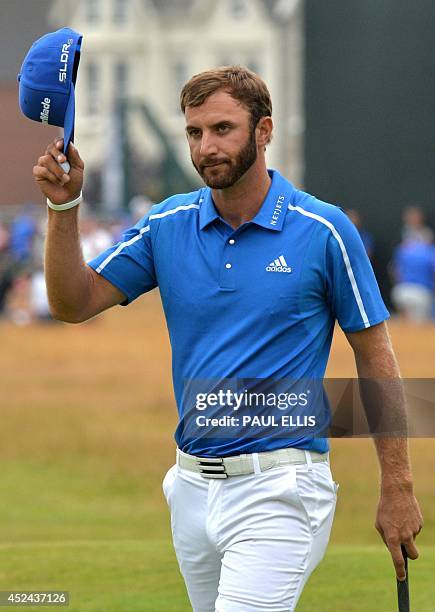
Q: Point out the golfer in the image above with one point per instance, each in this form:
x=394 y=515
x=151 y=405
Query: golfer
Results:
x=253 y=273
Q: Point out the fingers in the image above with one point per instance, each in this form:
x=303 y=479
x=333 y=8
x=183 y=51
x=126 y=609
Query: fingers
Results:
x=411 y=548
x=52 y=179
x=55 y=149
x=393 y=546
x=397 y=556
x=50 y=170
x=398 y=560
x=74 y=158
x=43 y=173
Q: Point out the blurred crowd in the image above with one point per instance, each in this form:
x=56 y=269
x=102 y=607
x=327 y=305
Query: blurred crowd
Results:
x=411 y=267
x=23 y=296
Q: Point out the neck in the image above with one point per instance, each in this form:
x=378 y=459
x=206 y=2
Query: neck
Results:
x=242 y=201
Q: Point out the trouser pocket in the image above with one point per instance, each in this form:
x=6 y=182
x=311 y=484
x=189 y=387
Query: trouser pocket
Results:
x=317 y=493
x=168 y=483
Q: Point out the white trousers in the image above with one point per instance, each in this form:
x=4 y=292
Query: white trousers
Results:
x=414 y=301
x=249 y=543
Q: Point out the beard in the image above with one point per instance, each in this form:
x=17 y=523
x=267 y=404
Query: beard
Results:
x=228 y=172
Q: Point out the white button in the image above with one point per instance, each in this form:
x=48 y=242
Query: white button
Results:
x=228 y=266
x=232 y=241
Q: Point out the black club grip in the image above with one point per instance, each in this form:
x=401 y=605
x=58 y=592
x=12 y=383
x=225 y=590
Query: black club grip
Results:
x=403 y=587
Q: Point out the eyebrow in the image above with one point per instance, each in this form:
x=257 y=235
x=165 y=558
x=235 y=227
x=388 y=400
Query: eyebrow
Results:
x=221 y=122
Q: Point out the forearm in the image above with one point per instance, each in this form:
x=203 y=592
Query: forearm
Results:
x=393 y=454
x=384 y=402
x=67 y=276
x=398 y=518
x=75 y=292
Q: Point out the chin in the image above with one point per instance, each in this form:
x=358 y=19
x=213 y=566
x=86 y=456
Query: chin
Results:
x=219 y=182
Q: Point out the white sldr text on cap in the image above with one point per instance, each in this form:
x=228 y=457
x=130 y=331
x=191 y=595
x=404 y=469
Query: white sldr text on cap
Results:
x=64 y=61
x=45 y=110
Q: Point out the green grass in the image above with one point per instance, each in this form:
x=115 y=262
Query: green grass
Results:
x=100 y=575
x=86 y=421
x=130 y=575
x=362 y=578
x=104 y=537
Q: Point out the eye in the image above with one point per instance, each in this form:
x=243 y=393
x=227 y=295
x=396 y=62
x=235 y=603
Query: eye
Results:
x=193 y=133
x=223 y=128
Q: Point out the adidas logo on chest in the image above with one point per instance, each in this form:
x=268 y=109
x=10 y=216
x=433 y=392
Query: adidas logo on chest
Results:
x=278 y=265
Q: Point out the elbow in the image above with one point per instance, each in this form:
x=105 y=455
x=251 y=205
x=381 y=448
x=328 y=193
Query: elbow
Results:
x=66 y=316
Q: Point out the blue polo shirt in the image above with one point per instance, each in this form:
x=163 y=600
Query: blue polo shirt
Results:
x=414 y=262
x=258 y=303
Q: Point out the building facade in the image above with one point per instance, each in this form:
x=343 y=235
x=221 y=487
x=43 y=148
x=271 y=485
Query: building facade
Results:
x=144 y=50
x=22 y=141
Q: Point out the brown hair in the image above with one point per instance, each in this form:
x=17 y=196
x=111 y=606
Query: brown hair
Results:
x=241 y=83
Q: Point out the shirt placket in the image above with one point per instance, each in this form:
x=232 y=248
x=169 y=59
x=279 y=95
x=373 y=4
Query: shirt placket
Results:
x=228 y=265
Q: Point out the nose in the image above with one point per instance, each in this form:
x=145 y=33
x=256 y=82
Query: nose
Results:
x=208 y=145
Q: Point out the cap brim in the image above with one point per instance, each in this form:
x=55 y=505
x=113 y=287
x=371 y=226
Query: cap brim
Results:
x=68 y=125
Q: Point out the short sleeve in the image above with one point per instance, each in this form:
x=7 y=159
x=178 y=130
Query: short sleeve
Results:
x=129 y=265
x=352 y=288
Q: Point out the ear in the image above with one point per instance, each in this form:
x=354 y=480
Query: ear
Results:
x=264 y=131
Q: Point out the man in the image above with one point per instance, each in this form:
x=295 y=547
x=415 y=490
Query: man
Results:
x=252 y=274
x=413 y=267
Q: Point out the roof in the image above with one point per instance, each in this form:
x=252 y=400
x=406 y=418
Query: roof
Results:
x=21 y=23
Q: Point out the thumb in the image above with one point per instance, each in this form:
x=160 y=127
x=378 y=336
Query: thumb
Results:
x=411 y=549
x=74 y=158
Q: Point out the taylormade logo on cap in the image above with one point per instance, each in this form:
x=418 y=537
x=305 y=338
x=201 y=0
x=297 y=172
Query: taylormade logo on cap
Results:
x=45 y=110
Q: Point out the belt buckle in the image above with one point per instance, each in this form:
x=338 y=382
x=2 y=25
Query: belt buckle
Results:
x=212 y=467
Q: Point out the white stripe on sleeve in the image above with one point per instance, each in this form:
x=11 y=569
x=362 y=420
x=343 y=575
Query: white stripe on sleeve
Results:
x=142 y=232
x=345 y=258
x=122 y=246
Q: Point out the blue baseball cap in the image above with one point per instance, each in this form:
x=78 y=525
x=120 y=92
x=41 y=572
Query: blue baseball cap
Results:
x=47 y=79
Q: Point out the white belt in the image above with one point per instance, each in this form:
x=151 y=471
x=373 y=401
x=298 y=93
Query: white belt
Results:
x=239 y=465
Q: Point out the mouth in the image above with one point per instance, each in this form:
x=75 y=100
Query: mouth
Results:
x=214 y=165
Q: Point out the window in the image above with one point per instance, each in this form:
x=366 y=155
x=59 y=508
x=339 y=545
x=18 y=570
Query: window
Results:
x=93 y=88
x=239 y=9
x=250 y=62
x=93 y=11
x=121 y=11
x=121 y=80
